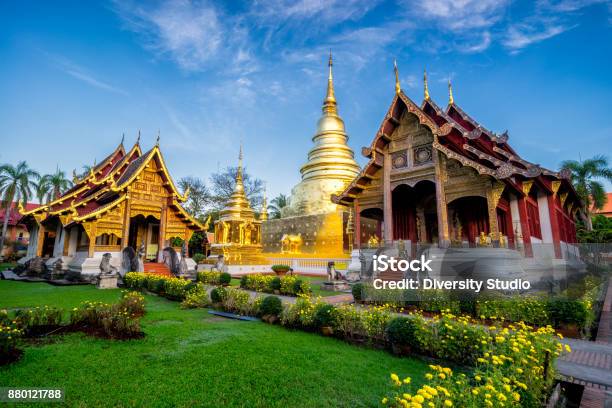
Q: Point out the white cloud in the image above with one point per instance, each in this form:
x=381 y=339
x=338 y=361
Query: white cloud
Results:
x=83 y=74
x=461 y=15
x=278 y=12
x=479 y=46
x=520 y=36
x=189 y=33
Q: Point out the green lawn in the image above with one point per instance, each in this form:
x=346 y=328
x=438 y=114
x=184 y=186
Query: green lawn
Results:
x=190 y=358
x=7 y=265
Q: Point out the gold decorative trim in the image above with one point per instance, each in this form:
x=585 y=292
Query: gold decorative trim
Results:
x=527 y=184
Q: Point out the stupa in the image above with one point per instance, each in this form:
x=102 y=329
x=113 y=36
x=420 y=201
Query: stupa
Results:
x=312 y=223
x=237 y=231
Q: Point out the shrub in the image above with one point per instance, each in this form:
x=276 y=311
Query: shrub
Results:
x=237 y=301
x=244 y=281
x=114 y=320
x=301 y=286
x=133 y=303
x=9 y=339
x=349 y=322
x=401 y=331
x=271 y=305
x=280 y=268
x=196 y=297
x=174 y=288
x=209 y=277
x=356 y=290
x=324 y=316
x=225 y=278
x=275 y=284
x=155 y=283
x=217 y=294
x=135 y=280
x=198 y=258
x=35 y=318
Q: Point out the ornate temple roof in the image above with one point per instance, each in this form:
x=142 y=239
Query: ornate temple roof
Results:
x=105 y=186
x=459 y=137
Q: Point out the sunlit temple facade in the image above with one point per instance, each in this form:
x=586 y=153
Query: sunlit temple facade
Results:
x=436 y=176
x=127 y=200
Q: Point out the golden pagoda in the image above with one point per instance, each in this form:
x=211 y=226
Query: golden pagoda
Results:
x=331 y=162
x=237 y=231
x=312 y=219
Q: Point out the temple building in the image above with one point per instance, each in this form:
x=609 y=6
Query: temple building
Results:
x=312 y=223
x=437 y=176
x=127 y=200
x=237 y=231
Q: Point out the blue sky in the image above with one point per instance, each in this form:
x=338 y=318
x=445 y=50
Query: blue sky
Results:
x=75 y=75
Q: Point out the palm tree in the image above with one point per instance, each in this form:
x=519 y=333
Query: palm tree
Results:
x=277 y=204
x=584 y=177
x=42 y=190
x=58 y=183
x=16 y=184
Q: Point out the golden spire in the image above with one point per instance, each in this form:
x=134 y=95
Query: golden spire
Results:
x=426 y=89
x=138 y=139
x=263 y=216
x=329 y=104
x=122 y=138
x=239 y=171
x=397 y=82
x=451 y=100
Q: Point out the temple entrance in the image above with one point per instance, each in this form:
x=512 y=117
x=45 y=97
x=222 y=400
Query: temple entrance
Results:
x=145 y=230
x=371 y=220
x=468 y=217
x=414 y=212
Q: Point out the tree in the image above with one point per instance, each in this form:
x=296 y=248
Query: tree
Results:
x=16 y=184
x=223 y=186
x=277 y=204
x=585 y=175
x=57 y=183
x=199 y=195
x=42 y=191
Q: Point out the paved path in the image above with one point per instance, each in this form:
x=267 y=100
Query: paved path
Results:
x=590 y=363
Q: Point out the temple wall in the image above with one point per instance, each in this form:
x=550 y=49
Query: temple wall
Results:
x=545 y=224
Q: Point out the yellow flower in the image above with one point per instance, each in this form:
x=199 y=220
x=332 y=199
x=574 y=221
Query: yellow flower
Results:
x=419 y=399
x=407 y=380
x=384 y=401
x=567 y=348
x=442 y=376
x=428 y=376
x=516 y=396
x=394 y=377
x=448 y=403
x=475 y=391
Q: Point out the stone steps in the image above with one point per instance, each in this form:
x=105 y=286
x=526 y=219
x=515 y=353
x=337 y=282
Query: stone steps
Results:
x=157 y=269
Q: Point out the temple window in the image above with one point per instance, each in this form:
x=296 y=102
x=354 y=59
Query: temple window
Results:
x=533 y=215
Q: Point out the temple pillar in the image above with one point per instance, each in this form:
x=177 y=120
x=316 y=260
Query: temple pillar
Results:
x=161 y=241
x=525 y=231
x=58 y=245
x=33 y=242
x=357 y=241
x=494 y=192
x=420 y=225
x=441 y=207
x=40 y=240
x=387 y=200
x=554 y=225
x=92 y=240
x=125 y=239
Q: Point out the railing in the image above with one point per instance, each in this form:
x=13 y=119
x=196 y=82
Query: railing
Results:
x=317 y=266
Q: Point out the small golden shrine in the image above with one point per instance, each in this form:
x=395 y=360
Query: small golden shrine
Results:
x=237 y=231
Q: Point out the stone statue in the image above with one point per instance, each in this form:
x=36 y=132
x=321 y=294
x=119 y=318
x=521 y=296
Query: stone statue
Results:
x=170 y=258
x=105 y=266
x=220 y=264
x=141 y=254
x=129 y=261
x=332 y=273
x=183 y=268
x=36 y=267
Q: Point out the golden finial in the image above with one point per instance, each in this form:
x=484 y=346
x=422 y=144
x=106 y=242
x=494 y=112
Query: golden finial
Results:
x=264 y=206
x=397 y=82
x=329 y=105
x=451 y=100
x=426 y=88
x=157 y=141
x=20 y=208
x=75 y=178
x=138 y=138
x=239 y=172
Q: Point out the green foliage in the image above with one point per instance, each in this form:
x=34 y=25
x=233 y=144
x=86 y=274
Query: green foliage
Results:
x=30 y=319
x=209 y=277
x=280 y=268
x=325 y=316
x=176 y=241
x=275 y=283
x=271 y=305
x=356 y=291
x=218 y=294
x=225 y=278
x=198 y=258
x=585 y=178
x=600 y=234
x=239 y=301
x=401 y=331
x=175 y=288
x=135 y=280
x=196 y=297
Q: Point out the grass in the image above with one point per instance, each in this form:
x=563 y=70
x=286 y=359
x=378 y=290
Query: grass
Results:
x=315 y=284
x=7 y=265
x=189 y=358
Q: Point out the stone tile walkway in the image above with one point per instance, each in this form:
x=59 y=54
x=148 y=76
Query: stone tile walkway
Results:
x=590 y=363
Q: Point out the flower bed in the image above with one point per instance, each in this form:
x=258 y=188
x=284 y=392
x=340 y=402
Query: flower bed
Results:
x=169 y=287
x=214 y=278
x=571 y=312
x=291 y=285
x=120 y=320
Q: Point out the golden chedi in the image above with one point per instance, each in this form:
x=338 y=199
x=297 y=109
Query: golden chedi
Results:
x=237 y=231
x=331 y=162
x=312 y=225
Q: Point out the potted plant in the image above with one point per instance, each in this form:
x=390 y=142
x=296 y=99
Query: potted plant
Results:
x=280 y=270
x=401 y=334
x=325 y=319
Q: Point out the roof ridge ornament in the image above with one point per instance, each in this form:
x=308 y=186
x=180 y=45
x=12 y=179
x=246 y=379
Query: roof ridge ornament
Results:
x=157 y=141
x=451 y=100
x=425 y=87
x=398 y=88
x=138 y=138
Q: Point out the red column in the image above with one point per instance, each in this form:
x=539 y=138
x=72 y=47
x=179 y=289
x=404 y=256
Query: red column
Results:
x=522 y=207
x=357 y=241
x=554 y=225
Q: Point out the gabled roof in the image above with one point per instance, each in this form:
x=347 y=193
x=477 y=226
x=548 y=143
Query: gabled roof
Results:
x=459 y=137
x=106 y=184
x=15 y=216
